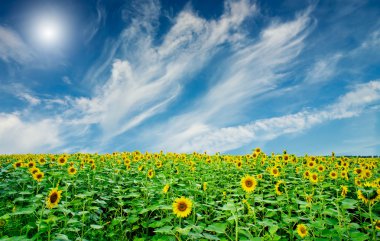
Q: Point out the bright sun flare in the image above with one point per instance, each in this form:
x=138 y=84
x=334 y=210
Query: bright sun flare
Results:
x=49 y=31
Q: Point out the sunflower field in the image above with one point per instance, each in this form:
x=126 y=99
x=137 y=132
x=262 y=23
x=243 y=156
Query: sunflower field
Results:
x=170 y=196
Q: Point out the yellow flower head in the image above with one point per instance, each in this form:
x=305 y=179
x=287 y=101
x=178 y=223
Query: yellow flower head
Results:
x=321 y=168
x=275 y=172
x=150 y=173
x=248 y=183
x=306 y=174
x=38 y=176
x=302 y=230
x=333 y=175
x=344 y=190
x=313 y=178
x=71 y=170
x=166 y=188
x=182 y=207
x=278 y=186
x=53 y=198
x=62 y=160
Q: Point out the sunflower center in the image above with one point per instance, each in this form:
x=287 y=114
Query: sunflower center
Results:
x=275 y=171
x=39 y=176
x=182 y=206
x=248 y=183
x=53 y=197
x=303 y=230
x=18 y=164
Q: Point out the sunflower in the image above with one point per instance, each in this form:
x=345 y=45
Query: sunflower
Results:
x=358 y=171
x=17 y=164
x=309 y=198
x=34 y=170
x=377 y=224
x=344 y=190
x=71 y=170
x=277 y=187
x=366 y=174
x=150 y=173
x=358 y=182
x=275 y=172
x=54 y=197
x=259 y=176
x=166 y=188
x=361 y=196
x=158 y=164
x=313 y=177
x=344 y=175
x=182 y=207
x=302 y=230
x=38 y=176
x=257 y=150
x=311 y=164
x=62 y=160
x=42 y=161
x=239 y=164
x=93 y=166
x=127 y=162
x=321 y=168
x=31 y=164
x=306 y=174
x=248 y=183
x=333 y=175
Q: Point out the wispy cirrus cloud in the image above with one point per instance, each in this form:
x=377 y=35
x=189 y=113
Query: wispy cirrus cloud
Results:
x=211 y=139
x=151 y=76
x=256 y=68
x=13 y=47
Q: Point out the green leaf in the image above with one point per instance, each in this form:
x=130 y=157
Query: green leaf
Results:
x=164 y=230
x=358 y=236
x=133 y=219
x=349 y=203
x=210 y=236
x=229 y=207
x=183 y=231
x=95 y=226
x=61 y=237
x=217 y=227
x=273 y=229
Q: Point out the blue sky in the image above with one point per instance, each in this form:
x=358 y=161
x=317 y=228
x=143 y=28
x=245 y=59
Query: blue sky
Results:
x=184 y=76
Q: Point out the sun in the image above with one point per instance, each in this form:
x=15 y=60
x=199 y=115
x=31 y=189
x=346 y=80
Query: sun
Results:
x=49 y=29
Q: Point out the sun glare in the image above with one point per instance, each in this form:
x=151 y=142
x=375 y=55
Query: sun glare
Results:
x=49 y=30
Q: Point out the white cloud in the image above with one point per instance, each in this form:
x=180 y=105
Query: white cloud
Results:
x=67 y=80
x=94 y=24
x=213 y=139
x=13 y=48
x=323 y=70
x=32 y=100
x=18 y=136
x=254 y=69
x=151 y=76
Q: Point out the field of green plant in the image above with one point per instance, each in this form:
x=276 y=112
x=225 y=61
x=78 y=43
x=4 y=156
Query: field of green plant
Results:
x=170 y=196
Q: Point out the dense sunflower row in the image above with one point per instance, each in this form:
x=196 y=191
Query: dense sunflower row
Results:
x=170 y=196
